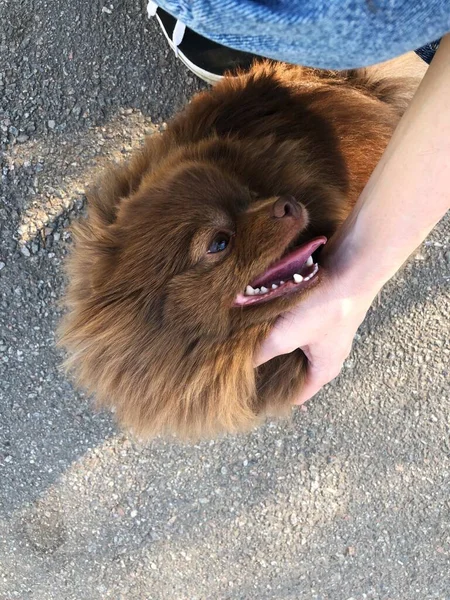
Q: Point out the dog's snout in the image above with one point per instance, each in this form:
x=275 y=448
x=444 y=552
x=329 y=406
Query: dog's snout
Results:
x=286 y=206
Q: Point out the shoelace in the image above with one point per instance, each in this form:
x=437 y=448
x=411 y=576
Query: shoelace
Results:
x=178 y=31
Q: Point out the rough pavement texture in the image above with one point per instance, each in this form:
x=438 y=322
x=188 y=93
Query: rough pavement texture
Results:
x=350 y=500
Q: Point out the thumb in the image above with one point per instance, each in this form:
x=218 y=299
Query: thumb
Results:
x=267 y=351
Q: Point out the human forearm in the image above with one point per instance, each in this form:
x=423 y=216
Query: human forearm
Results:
x=408 y=193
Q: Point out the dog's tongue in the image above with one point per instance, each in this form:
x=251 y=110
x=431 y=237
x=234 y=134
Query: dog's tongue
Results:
x=289 y=264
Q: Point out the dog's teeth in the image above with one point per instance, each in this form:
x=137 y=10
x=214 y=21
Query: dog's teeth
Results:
x=297 y=278
x=274 y=286
x=257 y=291
x=281 y=282
x=316 y=268
x=309 y=262
x=249 y=291
x=264 y=290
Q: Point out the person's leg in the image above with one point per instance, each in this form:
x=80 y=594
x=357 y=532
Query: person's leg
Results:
x=319 y=33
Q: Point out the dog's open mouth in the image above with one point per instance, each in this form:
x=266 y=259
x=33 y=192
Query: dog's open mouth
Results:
x=292 y=273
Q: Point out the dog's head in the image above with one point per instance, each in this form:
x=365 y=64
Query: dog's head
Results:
x=207 y=254
x=172 y=289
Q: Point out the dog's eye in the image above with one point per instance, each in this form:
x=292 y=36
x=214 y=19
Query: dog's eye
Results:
x=219 y=243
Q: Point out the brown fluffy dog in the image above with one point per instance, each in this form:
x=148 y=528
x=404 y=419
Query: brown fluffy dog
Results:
x=188 y=254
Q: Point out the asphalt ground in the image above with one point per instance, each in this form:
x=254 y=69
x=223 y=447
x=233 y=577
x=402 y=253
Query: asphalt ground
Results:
x=348 y=501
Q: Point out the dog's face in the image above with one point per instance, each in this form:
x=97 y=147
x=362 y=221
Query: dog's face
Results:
x=209 y=254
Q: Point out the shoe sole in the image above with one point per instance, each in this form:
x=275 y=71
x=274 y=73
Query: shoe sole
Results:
x=207 y=76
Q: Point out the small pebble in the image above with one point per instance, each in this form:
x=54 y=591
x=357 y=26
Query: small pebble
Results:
x=2 y=265
x=25 y=251
x=51 y=124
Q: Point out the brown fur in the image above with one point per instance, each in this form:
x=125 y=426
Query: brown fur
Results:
x=150 y=328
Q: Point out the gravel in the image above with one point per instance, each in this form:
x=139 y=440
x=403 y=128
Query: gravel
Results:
x=347 y=501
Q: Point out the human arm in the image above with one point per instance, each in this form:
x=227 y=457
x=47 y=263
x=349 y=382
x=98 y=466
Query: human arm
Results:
x=407 y=194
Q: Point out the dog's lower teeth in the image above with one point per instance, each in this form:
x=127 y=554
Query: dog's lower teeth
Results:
x=251 y=291
x=316 y=268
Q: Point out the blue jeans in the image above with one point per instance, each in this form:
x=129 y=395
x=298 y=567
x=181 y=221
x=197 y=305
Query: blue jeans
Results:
x=331 y=34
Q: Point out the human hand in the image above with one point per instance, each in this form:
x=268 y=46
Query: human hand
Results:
x=323 y=326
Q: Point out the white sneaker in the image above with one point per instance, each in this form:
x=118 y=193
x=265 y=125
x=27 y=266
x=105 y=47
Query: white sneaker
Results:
x=205 y=58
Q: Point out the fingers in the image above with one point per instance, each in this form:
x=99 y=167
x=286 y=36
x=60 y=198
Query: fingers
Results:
x=309 y=389
x=271 y=347
x=320 y=371
x=280 y=340
x=275 y=345
x=314 y=382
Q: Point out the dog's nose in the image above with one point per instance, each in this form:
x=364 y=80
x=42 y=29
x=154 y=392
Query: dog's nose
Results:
x=286 y=206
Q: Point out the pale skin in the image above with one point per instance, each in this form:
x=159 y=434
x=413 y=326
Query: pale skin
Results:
x=406 y=196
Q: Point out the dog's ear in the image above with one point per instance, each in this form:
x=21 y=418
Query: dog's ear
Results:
x=121 y=181
x=97 y=239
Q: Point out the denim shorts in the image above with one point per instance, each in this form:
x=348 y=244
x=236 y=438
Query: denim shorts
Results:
x=331 y=34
